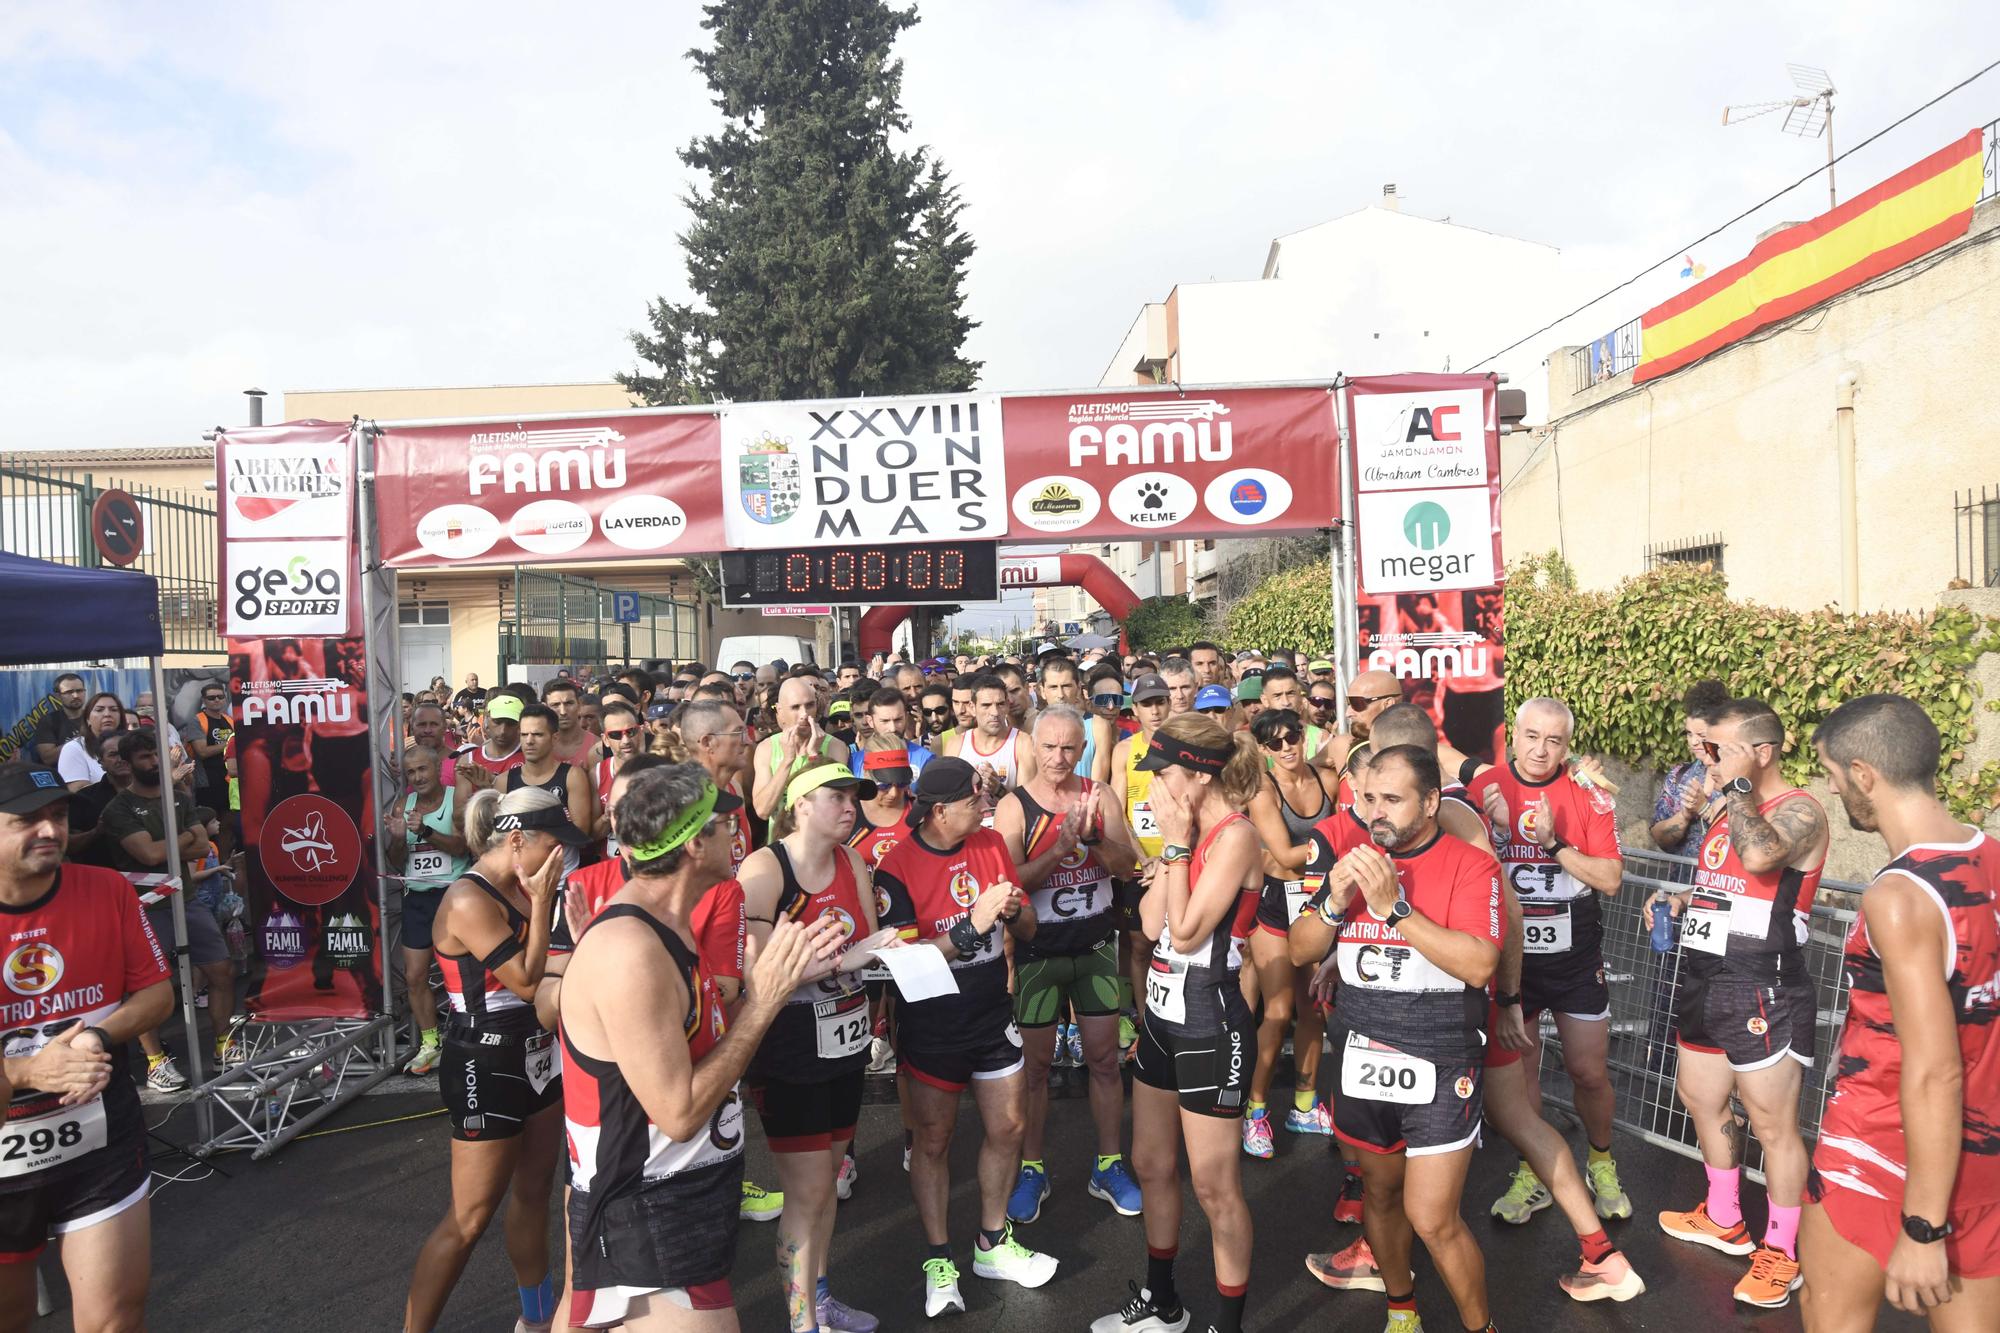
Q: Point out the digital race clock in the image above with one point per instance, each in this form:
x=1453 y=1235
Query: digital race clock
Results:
x=961 y=572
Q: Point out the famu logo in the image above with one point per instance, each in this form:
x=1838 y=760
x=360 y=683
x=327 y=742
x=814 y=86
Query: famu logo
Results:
x=964 y=888
x=1426 y=526
x=33 y=969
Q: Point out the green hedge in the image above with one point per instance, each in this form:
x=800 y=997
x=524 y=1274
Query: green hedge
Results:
x=1622 y=658
x=1160 y=623
x=1291 y=609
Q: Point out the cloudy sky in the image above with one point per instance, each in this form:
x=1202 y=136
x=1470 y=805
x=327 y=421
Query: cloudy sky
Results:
x=198 y=198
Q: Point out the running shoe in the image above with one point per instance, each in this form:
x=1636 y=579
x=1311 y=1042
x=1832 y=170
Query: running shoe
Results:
x=1142 y=1314
x=843 y=1180
x=1611 y=1280
x=1257 y=1134
x=1773 y=1277
x=228 y=1050
x=1319 y=1120
x=881 y=1056
x=163 y=1075
x=1063 y=1059
x=1605 y=1191
x=1114 y=1185
x=1074 y=1043
x=1403 y=1321
x=1347 y=1208
x=1011 y=1261
x=1025 y=1203
x=941 y=1288
x=843 y=1318
x=524 y=1326
x=1698 y=1228
x=760 y=1204
x=201 y=1000
x=1128 y=1035
x=1526 y=1195
x=429 y=1052
x=1353 y=1269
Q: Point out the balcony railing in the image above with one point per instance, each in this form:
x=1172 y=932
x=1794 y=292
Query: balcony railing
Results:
x=1613 y=354
x=1975 y=536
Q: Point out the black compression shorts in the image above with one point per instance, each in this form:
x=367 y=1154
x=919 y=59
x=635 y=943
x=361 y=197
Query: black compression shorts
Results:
x=955 y=1070
x=488 y=1080
x=1573 y=989
x=1752 y=1022
x=116 y=1178
x=809 y=1117
x=1207 y=1067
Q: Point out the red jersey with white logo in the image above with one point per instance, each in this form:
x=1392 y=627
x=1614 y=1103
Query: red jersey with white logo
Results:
x=614 y=1148
x=929 y=891
x=1861 y=1144
x=875 y=841
x=1736 y=918
x=1222 y=950
x=1560 y=913
x=739 y=835
x=68 y=958
x=1390 y=992
x=717 y=920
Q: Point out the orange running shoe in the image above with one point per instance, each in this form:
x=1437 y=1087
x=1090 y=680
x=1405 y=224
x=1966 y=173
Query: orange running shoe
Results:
x=1353 y=1269
x=1773 y=1277
x=1347 y=1208
x=1612 y=1280
x=1697 y=1228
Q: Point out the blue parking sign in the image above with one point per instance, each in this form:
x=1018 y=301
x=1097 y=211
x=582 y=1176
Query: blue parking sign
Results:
x=625 y=608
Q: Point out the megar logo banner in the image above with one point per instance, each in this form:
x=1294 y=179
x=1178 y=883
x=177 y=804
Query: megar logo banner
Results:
x=1426 y=541
x=866 y=470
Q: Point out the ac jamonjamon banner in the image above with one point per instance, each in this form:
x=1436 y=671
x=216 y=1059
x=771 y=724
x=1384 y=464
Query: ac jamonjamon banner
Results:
x=610 y=487
x=1426 y=459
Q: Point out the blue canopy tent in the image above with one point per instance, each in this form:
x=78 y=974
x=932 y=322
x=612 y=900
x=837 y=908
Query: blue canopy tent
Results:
x=62 y=613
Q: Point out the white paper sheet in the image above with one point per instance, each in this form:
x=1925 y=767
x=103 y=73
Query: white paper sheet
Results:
x=919 y=971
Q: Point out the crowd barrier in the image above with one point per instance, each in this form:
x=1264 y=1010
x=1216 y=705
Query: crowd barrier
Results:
x=1644 y=985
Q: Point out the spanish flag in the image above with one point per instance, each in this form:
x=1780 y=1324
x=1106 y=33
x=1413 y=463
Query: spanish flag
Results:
x=1914 y=211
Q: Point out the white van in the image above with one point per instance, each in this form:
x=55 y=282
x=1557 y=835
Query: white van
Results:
x=763 y=649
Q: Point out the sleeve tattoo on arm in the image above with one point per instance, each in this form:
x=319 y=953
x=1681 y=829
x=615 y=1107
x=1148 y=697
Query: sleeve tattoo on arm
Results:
x=1790 y=829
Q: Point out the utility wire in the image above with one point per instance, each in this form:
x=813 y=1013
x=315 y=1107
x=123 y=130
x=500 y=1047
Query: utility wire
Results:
x=1709 y=235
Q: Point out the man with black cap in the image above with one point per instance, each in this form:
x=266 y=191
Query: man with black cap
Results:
x=951 y=884
x=90 y=976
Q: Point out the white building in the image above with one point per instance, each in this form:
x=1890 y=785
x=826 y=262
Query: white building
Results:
x=1375 y=291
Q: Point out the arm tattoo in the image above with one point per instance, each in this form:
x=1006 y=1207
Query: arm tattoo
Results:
x=1792 y=827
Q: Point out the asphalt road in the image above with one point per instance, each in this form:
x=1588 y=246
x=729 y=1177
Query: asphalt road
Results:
x=321 y=1238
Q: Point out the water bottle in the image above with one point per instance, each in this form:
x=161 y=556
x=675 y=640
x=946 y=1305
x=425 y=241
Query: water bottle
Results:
x=1663 y=928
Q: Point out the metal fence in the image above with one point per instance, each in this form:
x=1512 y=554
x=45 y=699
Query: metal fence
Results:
x=1705 y=549
x=45 y=513
x=1613 y=354
x=1975 y=536
x=1989 y=180
x=1644 y=986
x=562 y=619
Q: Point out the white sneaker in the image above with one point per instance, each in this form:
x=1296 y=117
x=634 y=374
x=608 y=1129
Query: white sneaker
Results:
x=881 y=1056
x=1141 y=1314
x=1011 y=1261
x=166 y=1076
x=941 y=1288
x=843 y=1180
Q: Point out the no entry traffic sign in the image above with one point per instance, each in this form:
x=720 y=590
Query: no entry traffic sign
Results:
x=117 y=527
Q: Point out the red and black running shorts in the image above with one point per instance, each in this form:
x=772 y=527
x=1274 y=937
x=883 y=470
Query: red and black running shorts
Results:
x=809 y=1117
x=1872 y=1224
x=955 y=1070
x=1447 y=1122
x=96 y=1189
x=1753 y=1022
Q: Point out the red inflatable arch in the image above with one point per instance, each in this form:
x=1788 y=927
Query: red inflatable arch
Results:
x=1067 y=570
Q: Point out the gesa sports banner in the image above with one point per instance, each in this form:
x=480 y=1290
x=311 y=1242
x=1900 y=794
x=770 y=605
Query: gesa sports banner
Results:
x=1137 y=463
x=301 y=752
x=603 y=488
x=285 y=505
x=1426 y=457
x=863 y=470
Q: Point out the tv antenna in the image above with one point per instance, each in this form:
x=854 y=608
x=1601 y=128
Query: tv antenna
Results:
x=1808 y=114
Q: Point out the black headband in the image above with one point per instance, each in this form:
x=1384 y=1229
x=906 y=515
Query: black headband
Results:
x=1165 y=750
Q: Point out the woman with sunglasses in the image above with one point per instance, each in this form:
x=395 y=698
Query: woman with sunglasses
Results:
x=806 y=1077
x=1293 y=799
x=1198 y=1042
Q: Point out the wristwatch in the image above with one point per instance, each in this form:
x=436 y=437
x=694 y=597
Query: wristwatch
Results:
x=1738 y=786
x=1173 y=851
x=964 y=937
x=1923 y=1233
x=1556 y=843
x=1506 y=1001
x=1399 y=911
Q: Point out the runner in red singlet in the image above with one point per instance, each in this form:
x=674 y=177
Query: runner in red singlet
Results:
x=1906 y=1188
x=83 y=977
x=624 y=736
x=1747 y=1007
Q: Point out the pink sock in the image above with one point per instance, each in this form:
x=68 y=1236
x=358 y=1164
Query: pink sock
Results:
x=1783 y=1232
x=1724 y=1207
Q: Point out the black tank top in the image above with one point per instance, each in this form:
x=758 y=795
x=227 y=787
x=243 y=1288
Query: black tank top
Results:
x=557 y=786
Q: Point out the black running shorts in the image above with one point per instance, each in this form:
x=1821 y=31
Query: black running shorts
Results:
x=1448 y=1121
x=955 y=1070
x=96 y=1189
x=1208 y=1066
x=487 y=1082
x=1754 y=1022
x=809 y=1117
